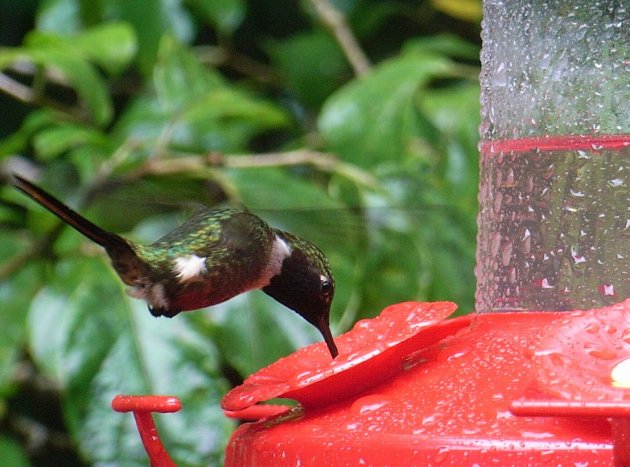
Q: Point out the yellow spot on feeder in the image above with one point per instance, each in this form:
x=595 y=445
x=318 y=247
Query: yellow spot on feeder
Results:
x=620 y=374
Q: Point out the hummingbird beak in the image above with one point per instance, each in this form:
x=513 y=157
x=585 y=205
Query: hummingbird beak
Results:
x=324 y=328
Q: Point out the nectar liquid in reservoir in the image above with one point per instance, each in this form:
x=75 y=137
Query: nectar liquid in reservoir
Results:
x=554 y=221
x=557 y=221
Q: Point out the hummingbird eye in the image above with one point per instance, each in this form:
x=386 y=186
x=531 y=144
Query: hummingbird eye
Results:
x=326 y=286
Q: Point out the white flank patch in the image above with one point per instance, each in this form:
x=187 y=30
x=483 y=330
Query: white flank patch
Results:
x=154 y=295
x=137 y=291
x=279 y=252
x=189 y=267
x=157 y=297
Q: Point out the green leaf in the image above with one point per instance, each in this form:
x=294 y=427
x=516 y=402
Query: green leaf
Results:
x=54 y=141
x=111 y=45
x=90 y=87
x=299 y=206
x=195 y=110
x=455 y=113
x=80 y=74
x=223 y=119
x=93 y=339
x=312 y=64
x=19 y=140
x=179 y=78
x=376 y=118
x=16 y=293
x=225 y=15
x=59 y=16
x=443 y=44
x=253 y=186
x=12 y=454
x=151 y=20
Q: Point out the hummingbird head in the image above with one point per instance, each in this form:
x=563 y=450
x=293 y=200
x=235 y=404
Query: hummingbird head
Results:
x=306 y=285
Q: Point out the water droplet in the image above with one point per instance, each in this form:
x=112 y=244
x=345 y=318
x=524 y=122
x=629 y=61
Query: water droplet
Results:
x=544 y=283
x=602 y=354
x=577 y=257
x=430 y=420
x=498 y=200
x=369 y=404
x=496 y=243
x=509 y=179
x=506 y=254
x=606 y=290
x=441 y=455
x=457 y=355
x=592 y=327
x=610 y=329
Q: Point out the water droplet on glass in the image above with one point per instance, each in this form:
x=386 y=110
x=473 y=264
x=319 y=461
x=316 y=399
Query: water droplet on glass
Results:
x=577 y=257
x=592 y=327
x=602 y=354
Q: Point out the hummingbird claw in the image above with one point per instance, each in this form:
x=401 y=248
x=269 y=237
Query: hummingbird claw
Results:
x=157 y=312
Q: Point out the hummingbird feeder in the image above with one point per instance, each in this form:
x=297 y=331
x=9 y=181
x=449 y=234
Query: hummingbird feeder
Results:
x=540 y=374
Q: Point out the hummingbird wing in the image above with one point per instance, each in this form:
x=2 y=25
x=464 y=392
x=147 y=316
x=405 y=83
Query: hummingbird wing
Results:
x=224 y=237
x=212 y=257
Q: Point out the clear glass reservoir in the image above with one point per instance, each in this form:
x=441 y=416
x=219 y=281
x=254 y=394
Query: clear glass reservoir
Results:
x=554 y=222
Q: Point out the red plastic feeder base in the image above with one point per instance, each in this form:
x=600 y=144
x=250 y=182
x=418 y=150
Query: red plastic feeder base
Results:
x=410 y=388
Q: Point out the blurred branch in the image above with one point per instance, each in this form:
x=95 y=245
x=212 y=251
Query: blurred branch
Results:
x=16 y=89
x=225 y=56
x=322 y=161
x=335 y=22
x=27 y=95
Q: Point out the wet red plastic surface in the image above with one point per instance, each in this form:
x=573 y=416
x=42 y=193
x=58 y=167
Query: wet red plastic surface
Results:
x=500 y=389
x=372 y=352
x=576 y=361
x=158 y=404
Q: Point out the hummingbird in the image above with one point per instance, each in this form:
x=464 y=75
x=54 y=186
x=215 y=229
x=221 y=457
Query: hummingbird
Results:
x=212 y=257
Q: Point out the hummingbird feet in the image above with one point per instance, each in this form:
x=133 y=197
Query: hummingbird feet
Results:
x=157 y=312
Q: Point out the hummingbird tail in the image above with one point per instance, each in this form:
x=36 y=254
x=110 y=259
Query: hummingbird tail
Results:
x=106 y=239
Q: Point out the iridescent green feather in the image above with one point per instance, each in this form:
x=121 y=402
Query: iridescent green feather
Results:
x=310 y=250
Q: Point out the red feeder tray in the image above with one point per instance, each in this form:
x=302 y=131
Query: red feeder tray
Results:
x=410 y=388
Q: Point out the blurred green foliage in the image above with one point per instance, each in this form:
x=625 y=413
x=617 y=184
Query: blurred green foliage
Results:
x=133 y=111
